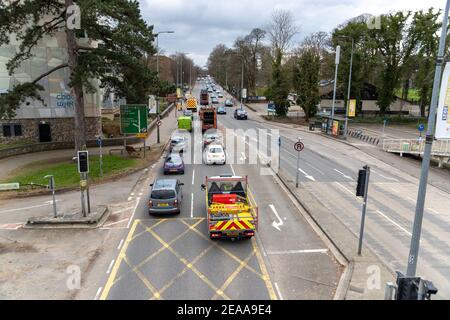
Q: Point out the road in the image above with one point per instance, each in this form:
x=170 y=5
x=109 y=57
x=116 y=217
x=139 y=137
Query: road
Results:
x=328 y=169
x=173 y=257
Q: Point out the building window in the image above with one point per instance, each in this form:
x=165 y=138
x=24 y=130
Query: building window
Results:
x=12 y=130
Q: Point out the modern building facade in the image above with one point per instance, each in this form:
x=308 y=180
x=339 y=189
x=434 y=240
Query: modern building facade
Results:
x=53 y=119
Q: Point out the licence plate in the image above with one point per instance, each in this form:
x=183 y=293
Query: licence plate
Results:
x=173 y=170
x=233 y=234
x=163 y=204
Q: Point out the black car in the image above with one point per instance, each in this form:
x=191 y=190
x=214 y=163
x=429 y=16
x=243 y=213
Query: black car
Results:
x=221 y=110
x=240 y=114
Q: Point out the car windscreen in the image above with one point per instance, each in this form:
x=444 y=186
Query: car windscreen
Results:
x=174 y=160
x=162 y=194
x=215 y=150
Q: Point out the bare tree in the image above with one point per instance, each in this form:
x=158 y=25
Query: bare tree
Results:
x=281 y=29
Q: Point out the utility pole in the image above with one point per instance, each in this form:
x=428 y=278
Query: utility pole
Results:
x=349 y=85
x=417 y=227
x=338 y=53
x=242 y=81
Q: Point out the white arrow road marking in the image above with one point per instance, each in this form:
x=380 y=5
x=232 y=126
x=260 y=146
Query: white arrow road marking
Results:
x=307 y=175
x=343 y=174
x=280 y=222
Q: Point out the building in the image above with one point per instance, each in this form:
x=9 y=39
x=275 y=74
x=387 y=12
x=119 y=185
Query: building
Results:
x=368 y=101
x=52 y=120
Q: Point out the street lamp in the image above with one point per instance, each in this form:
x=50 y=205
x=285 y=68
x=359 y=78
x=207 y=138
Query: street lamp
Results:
x=156 y=35
x=349 y=83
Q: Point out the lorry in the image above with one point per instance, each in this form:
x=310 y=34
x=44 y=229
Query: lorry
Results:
x=204 y=97
x=208 y=117
x=230 y=212
x=191 y=104
x=185 y=123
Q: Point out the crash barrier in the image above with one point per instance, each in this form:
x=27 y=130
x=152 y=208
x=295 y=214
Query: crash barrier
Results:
x=358 y=134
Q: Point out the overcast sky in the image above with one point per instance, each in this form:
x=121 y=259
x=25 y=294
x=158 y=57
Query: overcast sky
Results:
x=200 y=25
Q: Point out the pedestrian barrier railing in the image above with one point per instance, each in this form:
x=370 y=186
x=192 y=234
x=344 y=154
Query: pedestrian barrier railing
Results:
x=439 y=148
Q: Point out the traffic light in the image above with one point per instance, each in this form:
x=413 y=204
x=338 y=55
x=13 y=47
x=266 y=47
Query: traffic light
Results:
x=361 y=186
x=83 y=162
x=408 y=288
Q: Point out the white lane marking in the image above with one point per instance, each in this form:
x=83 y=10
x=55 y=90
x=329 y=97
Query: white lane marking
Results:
x=243 y=157
x=278 y=291
x=140 y=194
x=192 y=205
x=297 y=251
x=11 y=226
x=432 y=210
x=97 y=295
x=134 y=212
x=113 y=223
x=232 y=169
x=394 y=223
x=318 y=170
x=110 y=266
x=307 y=175
x=47 y=203
x=346 y=189
x=120 y=245
x=280 y=222
x=193 y=176
x=388 y=178
x=343 y=174
x=130 y=198
x=132 y=194
x=122 y=210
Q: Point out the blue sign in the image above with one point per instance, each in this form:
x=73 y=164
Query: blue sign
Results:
x=99 y=141
x=270 y=107
x=421 y=127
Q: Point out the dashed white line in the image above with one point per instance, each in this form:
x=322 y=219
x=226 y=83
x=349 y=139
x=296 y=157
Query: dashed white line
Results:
x=307 y=175
x=278 y=291
x=343 y=174
x=394 y=223
x=193 y=176
x=97 y=295
x=388 y=178
x=130 y=198
x=110 y=266
x=192 y=205
x=113 y=223
x=120 y=245
x=346 y=189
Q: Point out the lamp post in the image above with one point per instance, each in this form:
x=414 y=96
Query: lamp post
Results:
x=418 y=218
x=156 y=35
x=338 y=53
x=349 y=84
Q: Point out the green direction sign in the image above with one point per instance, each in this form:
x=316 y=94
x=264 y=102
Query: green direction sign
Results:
x=133 y=118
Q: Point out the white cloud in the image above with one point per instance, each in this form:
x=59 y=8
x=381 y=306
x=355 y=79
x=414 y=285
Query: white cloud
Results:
x=200 y=25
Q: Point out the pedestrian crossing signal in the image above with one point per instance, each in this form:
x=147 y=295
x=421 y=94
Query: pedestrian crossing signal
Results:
x=83 y=162
x=361 y=186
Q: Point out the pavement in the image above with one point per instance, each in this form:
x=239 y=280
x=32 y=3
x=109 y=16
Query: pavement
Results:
x=328 y=172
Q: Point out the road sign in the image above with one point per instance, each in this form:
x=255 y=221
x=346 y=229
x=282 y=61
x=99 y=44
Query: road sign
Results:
x=152 y=105
x=443 y=119
x=142 y=135
x=133 y=118
x=159 y=123
x=299 y=146
x=421 y=127
x=271 y=108
x=99 y=141
x=244 y=93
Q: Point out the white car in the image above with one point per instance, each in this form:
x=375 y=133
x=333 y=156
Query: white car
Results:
x=214 y=154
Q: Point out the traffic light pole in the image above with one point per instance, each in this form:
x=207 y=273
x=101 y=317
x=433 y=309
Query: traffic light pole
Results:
x=417 y=227
x=363 y=214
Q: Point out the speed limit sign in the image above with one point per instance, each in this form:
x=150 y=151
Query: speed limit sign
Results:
x=299 y=146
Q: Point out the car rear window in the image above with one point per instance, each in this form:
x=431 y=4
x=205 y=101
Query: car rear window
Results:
x=162 y=194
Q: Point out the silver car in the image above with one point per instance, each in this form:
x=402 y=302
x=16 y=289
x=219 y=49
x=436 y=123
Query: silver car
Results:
x=166 y=196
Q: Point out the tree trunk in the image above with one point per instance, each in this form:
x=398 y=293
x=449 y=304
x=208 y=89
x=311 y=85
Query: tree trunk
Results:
x=77 y=89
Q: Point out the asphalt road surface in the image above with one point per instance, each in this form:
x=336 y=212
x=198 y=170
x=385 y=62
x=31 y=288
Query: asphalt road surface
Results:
x=173 y=258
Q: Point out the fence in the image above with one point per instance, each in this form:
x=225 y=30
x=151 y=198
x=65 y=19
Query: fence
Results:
x=440 y=148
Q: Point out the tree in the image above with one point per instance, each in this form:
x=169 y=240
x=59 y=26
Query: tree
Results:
x=281 y=29
x=123 y=39
x=396 y=41
x=280 y=87
x=306 y=78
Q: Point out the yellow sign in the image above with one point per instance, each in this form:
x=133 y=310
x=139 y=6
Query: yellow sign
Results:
x=179 y=96
x=352 y=108
x=142 y=135
x=83 y=184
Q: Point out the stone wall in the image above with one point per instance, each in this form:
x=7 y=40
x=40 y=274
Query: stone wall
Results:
x=61 y=129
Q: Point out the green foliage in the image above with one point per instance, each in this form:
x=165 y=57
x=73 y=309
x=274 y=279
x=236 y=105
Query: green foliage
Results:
x=124 y=41
x=305 y=78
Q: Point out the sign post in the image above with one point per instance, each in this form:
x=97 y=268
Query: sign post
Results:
x=100 y=144
x=421 y=129
x=83 y=169
x=52 y=188
x=299 y=146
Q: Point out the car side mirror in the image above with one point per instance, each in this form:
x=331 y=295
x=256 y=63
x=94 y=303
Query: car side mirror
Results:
x=203 y=187
x=151 y=185
x=181 y=184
